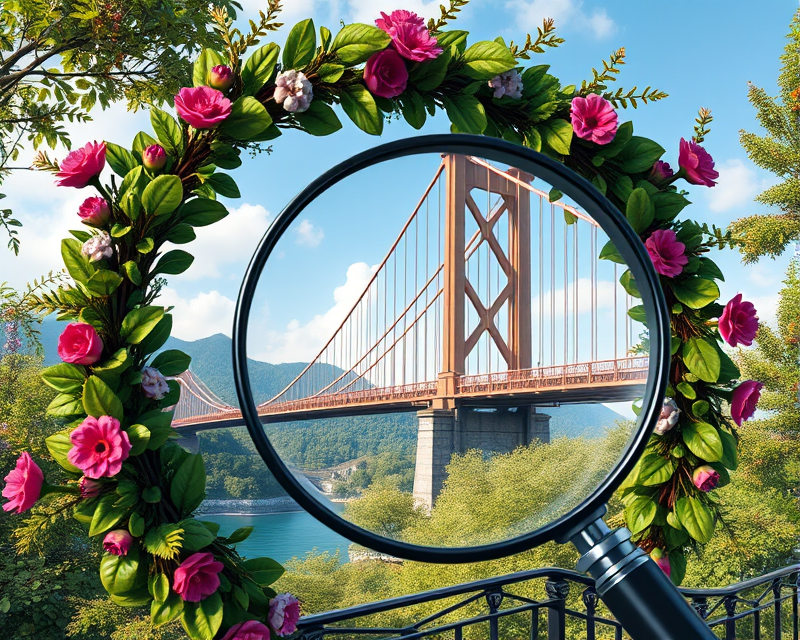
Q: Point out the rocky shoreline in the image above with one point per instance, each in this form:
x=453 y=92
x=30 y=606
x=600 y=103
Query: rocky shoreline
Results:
x=282 y=504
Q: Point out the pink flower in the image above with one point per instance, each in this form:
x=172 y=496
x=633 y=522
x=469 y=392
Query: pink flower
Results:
x=94 y=211
x=23 y=485
x=409 y=35
x=705 y=478
x=738 y=323
x=197 y=577
x=80 y=344
x=221 y=77
x=83 y=164
x=202 y=107
x=744 y=401
x=697 y=164
x=385 y=74
x=154 y=157
x=118 y=542
x=250 y=630
x=99 y=447
x=661 y=171
x=661 y=560
x=669 y=416
x=666 y=252
x=89 y=488
x=593 y=118
x=284 y=612
x=154 y=384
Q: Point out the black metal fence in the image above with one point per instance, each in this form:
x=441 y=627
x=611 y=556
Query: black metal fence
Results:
x=554 y=604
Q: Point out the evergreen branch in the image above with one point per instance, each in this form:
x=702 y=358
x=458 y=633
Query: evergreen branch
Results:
x=600 y=80
x=620 y=97
x=545 y=38
x=448 y=15
x=701 y=129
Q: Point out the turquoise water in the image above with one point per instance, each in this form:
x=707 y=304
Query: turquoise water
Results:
x=282 y=535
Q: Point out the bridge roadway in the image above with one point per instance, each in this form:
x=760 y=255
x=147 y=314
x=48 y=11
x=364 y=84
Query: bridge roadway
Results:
x=603 y=381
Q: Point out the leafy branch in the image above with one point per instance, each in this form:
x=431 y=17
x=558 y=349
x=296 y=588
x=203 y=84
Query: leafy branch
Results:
x=620 y=97
x=701 y=129
x=448 y=14
x=600 y=80
x=545 y=38
x=236 y=42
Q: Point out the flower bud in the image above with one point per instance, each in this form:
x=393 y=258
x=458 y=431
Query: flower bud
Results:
x=220 y=78
x=94 y=211
x=154 y=157
x=661 y=560
x=118 y=542
x=669 y=416
x=89 y=488
x=705 y=478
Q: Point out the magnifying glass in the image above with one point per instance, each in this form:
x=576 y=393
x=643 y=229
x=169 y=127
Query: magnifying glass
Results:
x=458 y=362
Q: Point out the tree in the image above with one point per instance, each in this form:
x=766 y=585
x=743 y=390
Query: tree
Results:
x=59 y=59
x=777 y=151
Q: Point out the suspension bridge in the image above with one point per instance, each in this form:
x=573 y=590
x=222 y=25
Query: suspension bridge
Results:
x=490 y=298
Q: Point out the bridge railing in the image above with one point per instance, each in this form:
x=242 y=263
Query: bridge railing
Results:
x=554 y=604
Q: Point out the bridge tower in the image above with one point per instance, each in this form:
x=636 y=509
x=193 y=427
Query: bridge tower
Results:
x=446 y=427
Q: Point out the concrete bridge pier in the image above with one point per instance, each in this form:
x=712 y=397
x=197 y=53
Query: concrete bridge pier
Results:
x=189 y=441
x=443 y=432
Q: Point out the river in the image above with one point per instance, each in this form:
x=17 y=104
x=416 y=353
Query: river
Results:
x=281 y=536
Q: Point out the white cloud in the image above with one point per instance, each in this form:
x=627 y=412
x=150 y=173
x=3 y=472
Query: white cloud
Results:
x=529 y=15
x=228 y=242
x=308 y=235
x=302 y=342
x=737 y=185
x=368 y=10
x=767 y=308
x=204 y=315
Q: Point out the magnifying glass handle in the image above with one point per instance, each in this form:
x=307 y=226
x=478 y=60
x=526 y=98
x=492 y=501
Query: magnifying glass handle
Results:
x=634 y=588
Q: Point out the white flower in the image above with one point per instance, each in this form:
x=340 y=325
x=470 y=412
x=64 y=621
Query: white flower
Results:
x=669 y=416
x=293 y=91
x=507 y=84
x=154 y=384
x=98 y=247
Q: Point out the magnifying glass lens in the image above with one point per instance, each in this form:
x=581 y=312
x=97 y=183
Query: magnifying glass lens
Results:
x=454 y=349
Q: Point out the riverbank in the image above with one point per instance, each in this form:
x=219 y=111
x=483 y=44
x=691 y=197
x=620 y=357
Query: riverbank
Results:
x=266 y=506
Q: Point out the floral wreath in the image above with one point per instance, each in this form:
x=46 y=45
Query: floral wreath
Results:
x=136 y=489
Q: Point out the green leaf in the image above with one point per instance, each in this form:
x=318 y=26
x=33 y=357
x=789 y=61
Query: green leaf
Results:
x=668 y=204
x=138 y=323
x=65 y=405
x=728 y=369
x=484 y=60
x=355 y=43
x=730 y=450
x=703 y=440
x=171 y=362
x=639 y=210
x=558 y=134
x=162 y=195
x=360 y=107
x=638 y=313
x=106 y=515
x=264 y=571
x=455 y=38
x=173 y=262
x=195 y=535
x=629 y=284
x=188 y=487
x=99 y=400
x=158 y=336
x=180 y=234
x=240 y=535
x=248 y=119
x=701 y=357
x=695 y=518
x=59 y=445
x=621 y=138
x=687 y=390
x=166 y=541
x=201 y=620
x=300 y=45
x=141 y=141
x=639 y=513
x=675 y=537
x=700 y=408
x=622 y=188
x=139 y=435
x=122 y=574
x=319 y=119
x=677 y=563
x=168 y=131
x=78 y=265
x=465 y=112
x=136 y=525
x=639 y=154
x=131 y=270
x=201 y=212
x=145 y=245
x=428 y=75
x=118 y=230
x=116 y=364
x=120 y=159
x=213 y=527
x=224 y=185
x=207 y=60
x=104 y=282
x=330 y=72
x=151 y=495
x=695 y=292
x=63 y=377
x=162 y=613
x=655 y=469
x=610 y=252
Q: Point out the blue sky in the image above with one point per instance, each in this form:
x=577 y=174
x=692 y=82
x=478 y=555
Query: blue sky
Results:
x=702 y=54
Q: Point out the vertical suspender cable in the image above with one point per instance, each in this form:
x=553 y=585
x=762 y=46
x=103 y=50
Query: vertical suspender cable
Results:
x=566 y=298
x=552 y=284
x=541 y=279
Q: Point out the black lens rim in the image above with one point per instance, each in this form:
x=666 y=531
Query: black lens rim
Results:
x=585 y=195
